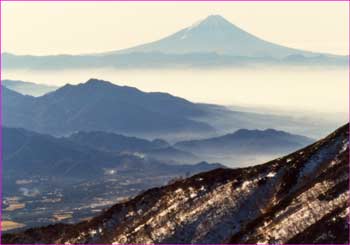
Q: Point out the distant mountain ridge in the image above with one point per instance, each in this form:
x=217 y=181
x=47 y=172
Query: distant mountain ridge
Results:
x=240 y=147
x=30 y=153
x=114 y=108
x=212 y=42
x=28 y=88
x=132 y=112
x=245 y=147
x=247 y=141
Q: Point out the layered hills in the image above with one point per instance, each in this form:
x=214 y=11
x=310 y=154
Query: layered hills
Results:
x=300 y=198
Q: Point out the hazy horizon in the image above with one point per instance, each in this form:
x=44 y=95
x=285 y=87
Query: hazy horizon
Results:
x=101 y=27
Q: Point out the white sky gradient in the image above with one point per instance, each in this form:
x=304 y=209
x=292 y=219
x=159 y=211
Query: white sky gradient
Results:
x=41 y=28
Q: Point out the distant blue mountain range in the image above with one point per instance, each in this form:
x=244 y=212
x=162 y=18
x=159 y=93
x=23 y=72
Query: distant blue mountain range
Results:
x=102 y=106
x=245 y=141
x=99 y=105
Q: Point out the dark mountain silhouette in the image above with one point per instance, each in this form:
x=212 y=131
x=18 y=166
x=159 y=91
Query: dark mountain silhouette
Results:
x=14 y=98
x=213 y=41
x=28 y=88
x=300 y=198
x=102 y=106
x=29 y=153
x=16 y=107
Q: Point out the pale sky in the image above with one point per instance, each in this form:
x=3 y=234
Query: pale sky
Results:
x=87 y=27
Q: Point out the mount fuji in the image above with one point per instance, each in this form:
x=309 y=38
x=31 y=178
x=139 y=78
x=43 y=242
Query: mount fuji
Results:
x=212 y=42
x=216 y=35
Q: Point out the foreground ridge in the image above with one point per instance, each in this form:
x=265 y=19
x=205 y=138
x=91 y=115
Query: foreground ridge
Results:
x=300 y=198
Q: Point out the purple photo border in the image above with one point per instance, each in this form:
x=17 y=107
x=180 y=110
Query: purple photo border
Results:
x=1 y=119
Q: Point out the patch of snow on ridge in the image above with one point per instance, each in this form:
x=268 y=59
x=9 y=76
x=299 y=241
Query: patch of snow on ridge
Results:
x=326 y=153
x=345 y=146
x=271 y=174
x=92 y=232
x=295 y=218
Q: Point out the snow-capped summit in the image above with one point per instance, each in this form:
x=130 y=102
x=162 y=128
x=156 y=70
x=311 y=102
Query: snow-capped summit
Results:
x=213 y=21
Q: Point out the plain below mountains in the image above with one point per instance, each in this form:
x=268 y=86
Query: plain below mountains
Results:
x=300 y=198
x=212 y=42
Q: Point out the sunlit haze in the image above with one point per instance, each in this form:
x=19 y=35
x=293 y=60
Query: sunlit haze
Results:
x=85 y=27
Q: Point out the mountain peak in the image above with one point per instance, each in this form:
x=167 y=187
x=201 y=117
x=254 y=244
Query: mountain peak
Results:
x=214 y=34
x=215 y=18
x=212 y=21
x=95 y=81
